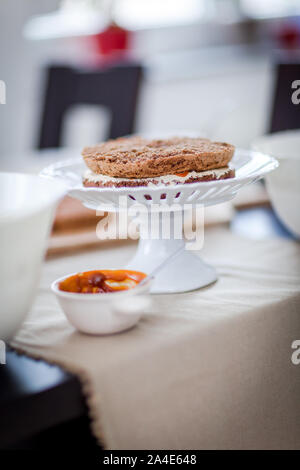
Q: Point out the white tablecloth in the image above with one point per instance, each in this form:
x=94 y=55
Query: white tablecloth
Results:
x=210 y=369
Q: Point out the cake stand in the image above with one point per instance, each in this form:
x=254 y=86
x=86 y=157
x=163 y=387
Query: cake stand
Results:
x=188 y=271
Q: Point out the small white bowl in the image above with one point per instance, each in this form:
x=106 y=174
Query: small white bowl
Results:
x=102 y=314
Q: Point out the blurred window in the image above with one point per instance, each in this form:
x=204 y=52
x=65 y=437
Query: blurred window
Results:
x=270 y=8
x=157 y=13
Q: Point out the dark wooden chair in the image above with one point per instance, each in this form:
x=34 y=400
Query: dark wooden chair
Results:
x=285 y=114
x=115 y=88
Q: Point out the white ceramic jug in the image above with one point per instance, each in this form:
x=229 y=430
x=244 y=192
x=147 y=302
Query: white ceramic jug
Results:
x=27 y=205
x=283 y=183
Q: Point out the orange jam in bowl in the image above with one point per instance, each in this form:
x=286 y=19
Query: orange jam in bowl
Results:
x=101 y=281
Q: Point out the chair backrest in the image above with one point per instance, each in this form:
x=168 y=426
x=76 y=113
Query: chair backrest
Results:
x=286 y=104
x=116 y=88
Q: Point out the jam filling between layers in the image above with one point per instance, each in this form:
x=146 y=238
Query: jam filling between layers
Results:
x=217 y=173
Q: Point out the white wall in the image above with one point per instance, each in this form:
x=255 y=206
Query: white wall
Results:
x=19 y=68
x=226 y=93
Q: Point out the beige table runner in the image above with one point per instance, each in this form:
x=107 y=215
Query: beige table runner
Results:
x=209 y=369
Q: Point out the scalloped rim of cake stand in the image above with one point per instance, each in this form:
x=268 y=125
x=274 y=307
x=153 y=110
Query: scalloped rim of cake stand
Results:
x=249 y=165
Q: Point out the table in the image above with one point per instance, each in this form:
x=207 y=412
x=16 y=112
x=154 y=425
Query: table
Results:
x=35 y=396
x=40 y=403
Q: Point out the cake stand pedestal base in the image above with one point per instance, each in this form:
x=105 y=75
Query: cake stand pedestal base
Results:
x=184 y=273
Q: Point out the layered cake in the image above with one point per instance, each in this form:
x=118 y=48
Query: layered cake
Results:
x=136 y=161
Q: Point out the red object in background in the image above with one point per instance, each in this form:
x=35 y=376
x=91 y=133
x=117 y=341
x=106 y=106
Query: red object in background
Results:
x=113 y=41
x=289 y=36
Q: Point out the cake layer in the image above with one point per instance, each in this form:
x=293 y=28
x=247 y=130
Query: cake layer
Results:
x=136 y=157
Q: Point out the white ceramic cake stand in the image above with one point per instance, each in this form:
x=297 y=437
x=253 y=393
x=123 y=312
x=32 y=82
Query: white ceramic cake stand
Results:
x=187 y=272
